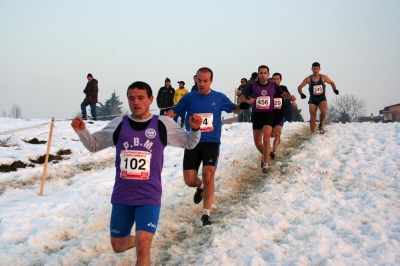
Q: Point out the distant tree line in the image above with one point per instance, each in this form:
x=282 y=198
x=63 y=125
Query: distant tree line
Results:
x=14 y=112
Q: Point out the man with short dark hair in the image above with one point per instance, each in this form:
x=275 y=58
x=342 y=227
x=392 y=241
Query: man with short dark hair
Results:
x=238 y=93
x=262 y=93
x=208 y=104
x=91 y=90
x=194 y=88
x=165 y=97
x=317 y=99
x=280 y=106
x=139 y=140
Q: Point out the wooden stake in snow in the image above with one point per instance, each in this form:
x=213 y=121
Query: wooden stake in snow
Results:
x=46 y=160
x=234 y=100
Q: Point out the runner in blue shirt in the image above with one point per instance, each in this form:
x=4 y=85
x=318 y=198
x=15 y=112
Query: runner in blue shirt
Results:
x=208 y=104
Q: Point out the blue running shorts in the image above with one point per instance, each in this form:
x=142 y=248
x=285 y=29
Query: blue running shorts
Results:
x=124 y=216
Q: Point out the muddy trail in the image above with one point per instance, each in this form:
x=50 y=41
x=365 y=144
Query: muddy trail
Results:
x=180 y=228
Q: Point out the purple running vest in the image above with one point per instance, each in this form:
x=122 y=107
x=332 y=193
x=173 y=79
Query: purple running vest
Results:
x=259 y=91
x=139 y=161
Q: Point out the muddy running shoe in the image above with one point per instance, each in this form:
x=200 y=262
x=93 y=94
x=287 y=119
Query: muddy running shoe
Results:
x=272 y=155
x=321 y=129
x=265 y=168
x=206 y=220
x=198 y=196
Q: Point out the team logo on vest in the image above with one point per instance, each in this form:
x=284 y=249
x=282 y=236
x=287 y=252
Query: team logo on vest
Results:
x=263 y=92
x=150 y=133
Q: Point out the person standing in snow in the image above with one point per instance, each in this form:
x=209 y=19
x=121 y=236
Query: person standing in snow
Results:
x=209 y=104
x=194 y=87
x=139 y=140
x=238 y=93
x=179 y=93
x=317 y=96
x=91 y=90
x=165 y=97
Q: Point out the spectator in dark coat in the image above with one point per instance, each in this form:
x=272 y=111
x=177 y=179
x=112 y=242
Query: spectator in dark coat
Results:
x=91 y=90
x=238 y=94
x=165 y=97
x=247 y=113
x=195 y=88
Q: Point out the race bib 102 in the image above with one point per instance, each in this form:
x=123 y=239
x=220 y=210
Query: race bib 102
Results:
x=135 y=164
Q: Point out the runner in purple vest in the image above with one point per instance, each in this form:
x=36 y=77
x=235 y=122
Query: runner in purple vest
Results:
x=139 y=140
x=262 y=97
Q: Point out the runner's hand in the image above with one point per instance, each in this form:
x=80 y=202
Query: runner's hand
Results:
x=195 y=121
x=244 y=105
x=336 y=92
x=303 y=96
x=78 y=124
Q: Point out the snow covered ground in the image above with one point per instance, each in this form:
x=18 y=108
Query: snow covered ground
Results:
x=330 y=199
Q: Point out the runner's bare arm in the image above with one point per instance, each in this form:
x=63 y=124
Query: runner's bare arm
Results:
x=288 y=96
x=326 y=79
x=237 y=110
x=242 y=98
x=243 y=105
x=304 y=83
x=171 y=114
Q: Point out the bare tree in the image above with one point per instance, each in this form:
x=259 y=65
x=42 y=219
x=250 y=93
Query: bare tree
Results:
x=332 y=114
x=349 y=105
x=14 y=112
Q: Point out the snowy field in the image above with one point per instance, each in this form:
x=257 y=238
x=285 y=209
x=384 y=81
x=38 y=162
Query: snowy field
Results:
x=330 y=199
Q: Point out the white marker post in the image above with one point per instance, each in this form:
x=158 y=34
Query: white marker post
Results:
x=47 y=157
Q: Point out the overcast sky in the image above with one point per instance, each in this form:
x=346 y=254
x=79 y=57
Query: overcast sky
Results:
x=48 y=47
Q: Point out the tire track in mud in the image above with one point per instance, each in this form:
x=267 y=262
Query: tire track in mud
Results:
x=180 y=229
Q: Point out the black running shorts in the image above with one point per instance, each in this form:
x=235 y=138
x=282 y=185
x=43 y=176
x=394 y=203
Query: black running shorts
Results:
x=278 y=120
x=262 y=119
x=206 y=152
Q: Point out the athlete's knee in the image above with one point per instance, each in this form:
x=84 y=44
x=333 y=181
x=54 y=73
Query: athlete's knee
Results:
x=117 y=245
x=191 y=182
x=266 y=138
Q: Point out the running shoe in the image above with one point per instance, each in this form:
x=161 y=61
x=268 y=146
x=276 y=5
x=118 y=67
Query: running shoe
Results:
x=321 y=129
x=265 y=168
x=206 y=220
x=272 y=155
x=198 y=196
